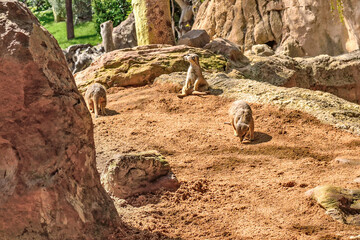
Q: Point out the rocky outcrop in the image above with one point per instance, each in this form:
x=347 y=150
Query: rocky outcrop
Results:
x=130 y=174
x=194 y=38
x=50 y=188
x=124 y=35
x=141 y=65
x=337 y=75
x=297 y=28
x=262 y=50
x=325 y=106
x=343 y=205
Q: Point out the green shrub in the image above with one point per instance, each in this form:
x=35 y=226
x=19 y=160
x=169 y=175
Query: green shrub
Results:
x=37 y=5
x=114 y=10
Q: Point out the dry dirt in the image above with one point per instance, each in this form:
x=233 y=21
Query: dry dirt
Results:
x=228 y=190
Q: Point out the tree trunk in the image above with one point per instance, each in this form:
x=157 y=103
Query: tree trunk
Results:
x=69 y=20
x=153 y=22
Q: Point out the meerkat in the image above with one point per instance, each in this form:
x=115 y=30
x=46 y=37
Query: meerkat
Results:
x=95 y=98
x=106 y=30
x=242 y=120
x=194 y=78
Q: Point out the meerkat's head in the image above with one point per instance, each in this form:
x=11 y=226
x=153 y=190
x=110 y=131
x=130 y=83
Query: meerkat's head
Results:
x=242 y=129
x=192 y=58
x=106 y=26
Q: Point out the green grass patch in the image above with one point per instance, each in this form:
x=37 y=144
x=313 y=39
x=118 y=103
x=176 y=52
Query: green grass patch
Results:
x=84 y=33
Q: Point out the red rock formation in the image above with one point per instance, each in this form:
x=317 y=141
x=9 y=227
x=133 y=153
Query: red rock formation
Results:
x=297 y=28
x=50 y=188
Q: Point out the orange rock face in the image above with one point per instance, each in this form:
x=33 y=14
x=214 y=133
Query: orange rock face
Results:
x=297 y=28
x=50 y=188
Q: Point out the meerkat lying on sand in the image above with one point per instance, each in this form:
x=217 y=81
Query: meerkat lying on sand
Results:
x=95 y=98
x=241 y=120
x=194 y=78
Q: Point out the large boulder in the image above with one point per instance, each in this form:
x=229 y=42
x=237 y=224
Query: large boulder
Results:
x=141 y=65
x=135 y=173
x=50 y=188
x=326 y=107
x=298 y=28
x=194 y=38
x=339 y=75
x=124 y=35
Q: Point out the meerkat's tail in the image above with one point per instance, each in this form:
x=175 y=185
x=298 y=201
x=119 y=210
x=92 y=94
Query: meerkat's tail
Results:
x=227 y=123
x=200 y=93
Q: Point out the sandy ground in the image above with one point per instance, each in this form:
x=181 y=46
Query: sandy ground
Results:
x=228 y=190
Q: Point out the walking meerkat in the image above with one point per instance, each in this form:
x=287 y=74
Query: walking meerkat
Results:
x=95 y=98
x=242 y=120
x=195 y=83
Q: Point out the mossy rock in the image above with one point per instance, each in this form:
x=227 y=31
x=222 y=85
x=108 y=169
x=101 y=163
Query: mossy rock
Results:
x=141 y=65
x=341 y=204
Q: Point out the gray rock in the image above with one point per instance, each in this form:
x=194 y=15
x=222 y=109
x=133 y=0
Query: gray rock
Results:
x=80 y=56
x=194 y=38
x=124 y=35
x=83 y=59
x=338 y=75
x=130 y=174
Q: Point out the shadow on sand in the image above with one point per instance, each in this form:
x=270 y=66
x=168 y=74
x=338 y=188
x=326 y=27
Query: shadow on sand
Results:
x=260 y=138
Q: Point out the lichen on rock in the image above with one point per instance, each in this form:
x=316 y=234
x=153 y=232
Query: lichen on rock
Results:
x=141 y=65
x=343 y=205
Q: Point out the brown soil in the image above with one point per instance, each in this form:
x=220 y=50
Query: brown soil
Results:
x=228 y=190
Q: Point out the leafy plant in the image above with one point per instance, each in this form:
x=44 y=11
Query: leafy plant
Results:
x=114 y=10
x=37 y=5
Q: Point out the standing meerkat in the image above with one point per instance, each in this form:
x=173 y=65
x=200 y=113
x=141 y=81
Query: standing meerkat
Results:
x=242 y=120
x=95 y=98
x=194 y=78
x=106 y=30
